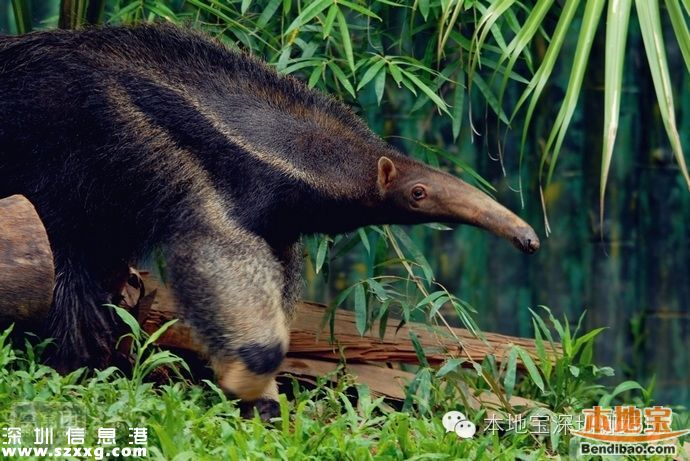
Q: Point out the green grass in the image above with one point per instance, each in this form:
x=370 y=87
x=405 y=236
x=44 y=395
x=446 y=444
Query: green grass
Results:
x=196 y=421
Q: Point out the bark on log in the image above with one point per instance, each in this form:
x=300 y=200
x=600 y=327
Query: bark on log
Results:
x=310 y=338
x=26 y=263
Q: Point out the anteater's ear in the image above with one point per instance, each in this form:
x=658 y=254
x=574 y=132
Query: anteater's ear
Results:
x=387 y=173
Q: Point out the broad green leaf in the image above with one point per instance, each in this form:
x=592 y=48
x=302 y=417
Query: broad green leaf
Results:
x=395 y=73
x=158 y=333
x=300 y=64
x=414 y=250
x=161 y=10
x=315 y=76
x=430 y=298
x=378 y=289
x=586 y=338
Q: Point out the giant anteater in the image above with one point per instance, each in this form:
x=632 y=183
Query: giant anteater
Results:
x=131 y=140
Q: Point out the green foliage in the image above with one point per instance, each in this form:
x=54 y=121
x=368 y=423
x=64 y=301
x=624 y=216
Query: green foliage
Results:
x=334 y=420
x=437 y=59
x=145 y=357
x=501 y=19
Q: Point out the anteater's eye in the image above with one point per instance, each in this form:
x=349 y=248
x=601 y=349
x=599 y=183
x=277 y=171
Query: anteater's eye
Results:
x=418 y=193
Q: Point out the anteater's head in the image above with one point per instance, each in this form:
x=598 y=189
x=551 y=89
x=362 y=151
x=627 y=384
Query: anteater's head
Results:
x=415 y=193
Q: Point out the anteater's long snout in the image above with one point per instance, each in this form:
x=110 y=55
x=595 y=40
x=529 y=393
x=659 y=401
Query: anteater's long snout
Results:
x=469 y=205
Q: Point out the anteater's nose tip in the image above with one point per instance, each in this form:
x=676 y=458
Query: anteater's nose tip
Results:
x=528 y=242
x=532 y=245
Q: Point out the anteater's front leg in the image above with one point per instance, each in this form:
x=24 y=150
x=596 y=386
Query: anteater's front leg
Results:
x=231 y=288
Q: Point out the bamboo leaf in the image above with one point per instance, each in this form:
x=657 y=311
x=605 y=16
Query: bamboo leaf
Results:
x=440 y=103
x=486 y=23
x=340 y=76
x=307 y=14
x=424 y=8
x=625 y=386
x=590 y=22
x=158 y=333
x=245 y=6
x=315 y=76
x=490 y=98
x=126 y=317
x=532 y=369
x=458 y=105
x=359 y=9
x=395 y=73
x=330 y=19
x=345 y=36
x=616 y=35
x=653 y=38
x=360 y=309
x=511 y=373
x=419 y=349
x=380 y=85
x=268 y=13
x=680 y=28
x=22 y=16
x=414 y=250
x=371 y=72
x=161 y=10
x=450 y=366
x=321 y=254
x=522 y=39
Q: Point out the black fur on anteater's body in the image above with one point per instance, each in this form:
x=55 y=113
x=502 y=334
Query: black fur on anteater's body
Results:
x=152 y=137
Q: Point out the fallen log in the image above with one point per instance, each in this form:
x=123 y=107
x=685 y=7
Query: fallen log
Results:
x=26 y=262
x=310 y=335
x=390 y=382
